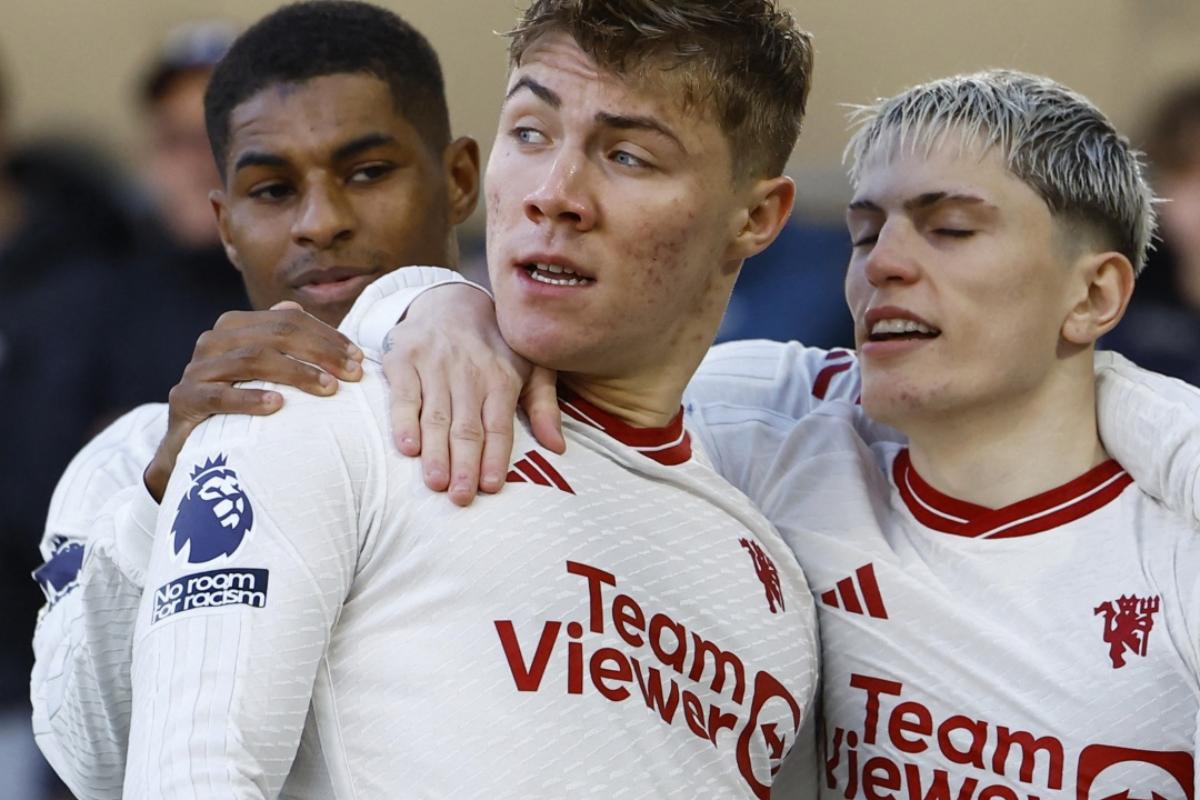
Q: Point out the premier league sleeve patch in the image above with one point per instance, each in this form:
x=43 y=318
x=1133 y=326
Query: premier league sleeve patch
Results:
x=214 y=516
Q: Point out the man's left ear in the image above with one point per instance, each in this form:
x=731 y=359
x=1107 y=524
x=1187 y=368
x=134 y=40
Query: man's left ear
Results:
x=460 y=160
x=1108 y=281
x=769 y=204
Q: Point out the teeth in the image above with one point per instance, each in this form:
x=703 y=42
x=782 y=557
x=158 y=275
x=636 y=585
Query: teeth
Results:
x=540 y=278
x=555 y=268
x=900 y=326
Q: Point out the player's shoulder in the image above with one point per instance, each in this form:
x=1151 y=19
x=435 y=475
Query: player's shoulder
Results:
x=307 y=429
x=113 y=460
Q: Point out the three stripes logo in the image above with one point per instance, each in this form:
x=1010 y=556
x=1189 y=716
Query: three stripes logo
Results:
x=858 y=594
x=534 y=468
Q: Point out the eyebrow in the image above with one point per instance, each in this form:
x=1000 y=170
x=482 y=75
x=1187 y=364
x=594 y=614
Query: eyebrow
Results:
x=922 y=201
x=362 y=143
x=257 y=158
x=546 y=95
x=624 y=122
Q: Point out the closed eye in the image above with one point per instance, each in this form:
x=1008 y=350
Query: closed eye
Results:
x=954 y=233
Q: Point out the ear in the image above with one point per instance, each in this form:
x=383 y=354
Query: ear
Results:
x=220 y=206
x=460 y=161
x=767 y=208
x=1108 y=281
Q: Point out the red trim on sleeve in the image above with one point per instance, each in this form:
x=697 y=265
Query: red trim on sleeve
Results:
x=1073 y=500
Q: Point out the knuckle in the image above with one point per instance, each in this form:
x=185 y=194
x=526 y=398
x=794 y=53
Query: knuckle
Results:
x=228 y=319
x=435 y=418
x=467 y=431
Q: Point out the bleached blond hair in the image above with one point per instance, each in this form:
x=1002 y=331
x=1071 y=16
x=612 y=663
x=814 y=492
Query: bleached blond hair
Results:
x=1053 y=139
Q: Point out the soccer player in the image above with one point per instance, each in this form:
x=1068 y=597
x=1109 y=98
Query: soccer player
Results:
x=1004 y=613
x=329 y=124
x=620 y=622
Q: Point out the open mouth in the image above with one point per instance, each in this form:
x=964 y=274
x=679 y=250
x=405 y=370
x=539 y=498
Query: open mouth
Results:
x=555 y=275
x=888 y=330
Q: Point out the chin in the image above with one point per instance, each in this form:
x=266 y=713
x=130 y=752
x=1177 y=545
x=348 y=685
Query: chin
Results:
x=543 y=344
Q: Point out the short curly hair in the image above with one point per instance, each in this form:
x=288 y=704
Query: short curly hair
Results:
x=744 y=61
x=308 y=40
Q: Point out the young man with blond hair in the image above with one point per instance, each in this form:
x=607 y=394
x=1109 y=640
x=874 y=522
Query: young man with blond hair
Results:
x=620 y=623
x=1004 y=613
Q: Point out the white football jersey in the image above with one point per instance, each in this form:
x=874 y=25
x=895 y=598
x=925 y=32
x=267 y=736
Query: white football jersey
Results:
x=96 y=546
x=618 y=622
x=1046 y=649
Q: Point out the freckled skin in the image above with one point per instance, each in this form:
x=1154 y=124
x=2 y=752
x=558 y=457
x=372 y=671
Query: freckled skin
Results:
x=655 y=236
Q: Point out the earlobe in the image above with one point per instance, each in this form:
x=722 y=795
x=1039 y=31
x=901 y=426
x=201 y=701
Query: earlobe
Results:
x=461 y=164
x=770 y=206
x=1109 y=285
x=220 y=206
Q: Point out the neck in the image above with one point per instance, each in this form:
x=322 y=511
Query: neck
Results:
x=640 y=403
x=1016 y=448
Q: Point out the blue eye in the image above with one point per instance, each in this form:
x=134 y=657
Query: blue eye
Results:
x=529 y=136
x=626 y=159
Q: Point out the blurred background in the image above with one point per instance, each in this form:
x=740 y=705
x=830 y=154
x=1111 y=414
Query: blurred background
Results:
x=110 y=266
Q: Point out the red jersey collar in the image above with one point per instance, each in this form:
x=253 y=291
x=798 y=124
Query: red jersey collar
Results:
x=1071 y=501
x=670 y=445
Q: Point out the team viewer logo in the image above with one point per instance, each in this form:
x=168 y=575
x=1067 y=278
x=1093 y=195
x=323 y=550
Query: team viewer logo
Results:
x=1108 y=773
x=767 y=574
x=1127 y=624
x=214 y=516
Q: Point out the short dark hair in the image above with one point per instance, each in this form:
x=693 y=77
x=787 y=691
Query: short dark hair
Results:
x=308 y=40
x=745 y=61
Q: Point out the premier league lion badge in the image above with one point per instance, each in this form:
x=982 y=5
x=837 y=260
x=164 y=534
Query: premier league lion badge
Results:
x=214 y=516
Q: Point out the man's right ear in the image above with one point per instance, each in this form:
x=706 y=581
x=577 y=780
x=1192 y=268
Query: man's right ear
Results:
x=461 y=163
x=220 y=206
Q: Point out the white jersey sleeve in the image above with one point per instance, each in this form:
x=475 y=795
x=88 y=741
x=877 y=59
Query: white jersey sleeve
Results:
x=253 y=557
x=746 y=393
x=1151 y=425
x=96 y=546
x=386 y=301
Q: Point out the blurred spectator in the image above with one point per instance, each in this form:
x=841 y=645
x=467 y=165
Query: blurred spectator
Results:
x=793 y=290
x=180 y=281
x=1161 y=331
x=61 y=229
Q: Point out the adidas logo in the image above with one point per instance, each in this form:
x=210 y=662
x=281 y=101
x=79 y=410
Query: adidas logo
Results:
x=534 y=468
x=858 y=594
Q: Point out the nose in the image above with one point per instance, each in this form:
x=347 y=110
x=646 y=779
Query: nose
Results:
x=893 y=258
x=324 y=217
x=563 y=195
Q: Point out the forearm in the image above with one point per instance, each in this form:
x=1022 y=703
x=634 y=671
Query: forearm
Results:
x=80 y=686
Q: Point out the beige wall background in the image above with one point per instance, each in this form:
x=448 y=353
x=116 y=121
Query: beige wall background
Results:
x=72 y=64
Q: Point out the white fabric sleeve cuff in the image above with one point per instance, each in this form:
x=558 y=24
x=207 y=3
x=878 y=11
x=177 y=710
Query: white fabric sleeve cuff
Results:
x=1151 y=425
x=386 y=301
